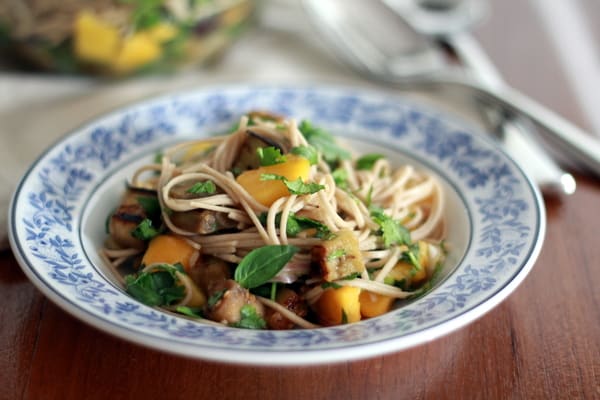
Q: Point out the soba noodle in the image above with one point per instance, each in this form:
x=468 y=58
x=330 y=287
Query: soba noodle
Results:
x=372 y=201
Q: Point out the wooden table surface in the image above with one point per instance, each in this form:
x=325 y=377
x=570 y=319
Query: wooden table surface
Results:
x=542 y=342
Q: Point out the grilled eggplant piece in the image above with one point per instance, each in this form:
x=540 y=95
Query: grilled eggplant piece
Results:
x=228 y=308
x=338 y=257
x=290 y=300
x=202 y=222
x=127 y=217
x=247 y=157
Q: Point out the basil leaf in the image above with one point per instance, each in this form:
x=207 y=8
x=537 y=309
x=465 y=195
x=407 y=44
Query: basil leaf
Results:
x=308 y=152
x=145 y=230
x=206 y=187
x=392 y=231
x=324 y=142
x=367 y=161
x=269 y=156
x=262 y=264
x=250 y=319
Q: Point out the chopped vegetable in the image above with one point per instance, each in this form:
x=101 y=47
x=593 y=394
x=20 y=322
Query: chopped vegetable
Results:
x=373 y=305
x=145 y=230
x=207 y=187
x=308 y=152
x=339 y=257
x=170 y=249
x=334 y=304
x=250 y=319
x=391 y=231
x=295 y=187
x=270 y=156
x=367 y=161
x=266 y=192
x=324 y=142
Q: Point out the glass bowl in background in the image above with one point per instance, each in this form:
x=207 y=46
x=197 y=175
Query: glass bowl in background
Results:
x=119 y=37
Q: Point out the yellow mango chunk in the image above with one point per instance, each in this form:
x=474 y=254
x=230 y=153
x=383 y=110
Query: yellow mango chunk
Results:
x=162 y=32
x=138 y=50
x=373 y=305
x=170 y=250
x=266 y=192
x=95 y=40
x=336 y=306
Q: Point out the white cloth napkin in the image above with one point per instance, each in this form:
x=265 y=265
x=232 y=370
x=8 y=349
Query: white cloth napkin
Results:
x=37 y=110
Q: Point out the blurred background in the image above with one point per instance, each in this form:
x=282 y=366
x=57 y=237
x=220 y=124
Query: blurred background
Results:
x=64 y=62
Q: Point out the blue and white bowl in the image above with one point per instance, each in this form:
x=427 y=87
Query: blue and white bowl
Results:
x=495 y=216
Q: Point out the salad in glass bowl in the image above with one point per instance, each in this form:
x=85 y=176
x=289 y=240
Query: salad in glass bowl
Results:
x=119 y=37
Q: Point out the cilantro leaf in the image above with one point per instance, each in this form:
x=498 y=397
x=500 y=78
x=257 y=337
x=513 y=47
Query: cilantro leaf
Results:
x=367 y=161
x=299 y=187
x=250 y=319
x=295 y=187
x=194 y=312
x=145 y=230
x=262 y=264
x=324 y=142
x=206 y=187
x=296 y=224
x=392 y=231
x=269 y=156
x=214 y=298
x=308 y=152
x=336 y=254
x=340 y=176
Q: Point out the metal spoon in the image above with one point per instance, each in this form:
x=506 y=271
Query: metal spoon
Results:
x=365 y=45
x=448 y=22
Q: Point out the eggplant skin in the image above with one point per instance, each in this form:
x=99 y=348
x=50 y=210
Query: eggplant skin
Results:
x=202 y=222
x=290 y=300
x=123 y=222
x=227 y=309
x=127 y=217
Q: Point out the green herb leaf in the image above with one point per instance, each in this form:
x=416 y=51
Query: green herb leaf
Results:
x=340 y=176
x=367 y=161
x=145 y=230
x=332 y=285
x=157 y=288
x=262 y=264
x=250 y=319
x=150 y=205
x=214 y=298
x=295 y=187
x=269 y=156
x=308 y=152
x=338 y=253
x=296 y=224
x=299 y=187
x=194 y=312
x=392 y=231
x=206 y=187
x=323 y=142
x=344 y=317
